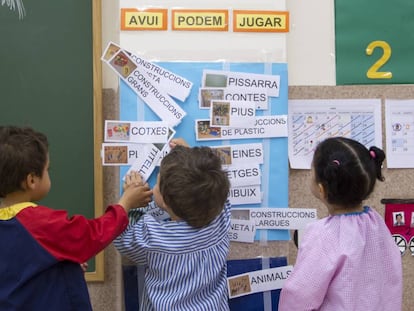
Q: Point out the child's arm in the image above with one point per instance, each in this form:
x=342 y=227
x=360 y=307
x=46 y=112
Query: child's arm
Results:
x=77 y=238
x=132 y=242
x=73 y=238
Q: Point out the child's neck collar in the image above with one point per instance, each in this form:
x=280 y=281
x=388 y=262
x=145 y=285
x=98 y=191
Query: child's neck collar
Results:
x=11 y=211
x=340 y=210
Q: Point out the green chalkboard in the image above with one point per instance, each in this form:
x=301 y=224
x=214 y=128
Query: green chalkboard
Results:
x=47 y=82
x=374 y=42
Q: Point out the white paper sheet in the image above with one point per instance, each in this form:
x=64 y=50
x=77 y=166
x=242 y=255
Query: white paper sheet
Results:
x=312 y=120
x=399 y=131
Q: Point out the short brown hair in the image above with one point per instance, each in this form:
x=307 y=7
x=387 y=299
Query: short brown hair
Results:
x=193 y=184
x=23 y=151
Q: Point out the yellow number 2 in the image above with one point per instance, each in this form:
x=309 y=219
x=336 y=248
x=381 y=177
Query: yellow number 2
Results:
x=373 y=72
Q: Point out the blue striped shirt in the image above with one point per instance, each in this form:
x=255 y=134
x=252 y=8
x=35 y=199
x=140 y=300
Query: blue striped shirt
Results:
x=185 y=267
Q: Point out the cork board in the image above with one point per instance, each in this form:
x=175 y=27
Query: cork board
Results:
x=398 y=182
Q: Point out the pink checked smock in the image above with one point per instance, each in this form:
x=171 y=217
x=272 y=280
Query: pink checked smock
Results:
x=345 y=262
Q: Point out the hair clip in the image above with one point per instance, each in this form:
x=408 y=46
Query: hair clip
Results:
x=372 y=154
x=336 y=162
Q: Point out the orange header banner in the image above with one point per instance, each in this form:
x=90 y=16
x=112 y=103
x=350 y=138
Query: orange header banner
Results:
x=260 y=21
x=200 y=20
x=144 y=19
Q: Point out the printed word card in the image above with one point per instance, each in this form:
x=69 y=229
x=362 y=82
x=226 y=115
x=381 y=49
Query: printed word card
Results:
x=136 y=132
x=277 y=218
x=258 y=281
x=242 y=231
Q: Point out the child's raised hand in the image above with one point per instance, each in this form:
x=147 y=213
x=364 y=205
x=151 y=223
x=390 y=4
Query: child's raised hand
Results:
x=178 y=141
x=136 y=192
x=131 y=179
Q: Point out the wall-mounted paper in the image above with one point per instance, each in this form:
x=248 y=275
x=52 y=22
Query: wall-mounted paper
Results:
x=313 y=120
x=399 y=131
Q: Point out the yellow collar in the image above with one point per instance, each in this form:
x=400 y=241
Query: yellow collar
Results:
x=11 y=211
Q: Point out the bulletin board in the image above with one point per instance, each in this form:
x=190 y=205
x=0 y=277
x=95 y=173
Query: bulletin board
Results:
x=50 y=79
x=153 y=32
x=275 y=167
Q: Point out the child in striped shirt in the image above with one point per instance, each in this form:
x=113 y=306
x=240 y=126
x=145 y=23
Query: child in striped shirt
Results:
x=185 y=257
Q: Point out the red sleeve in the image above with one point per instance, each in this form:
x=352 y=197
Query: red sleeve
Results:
x=73 y=238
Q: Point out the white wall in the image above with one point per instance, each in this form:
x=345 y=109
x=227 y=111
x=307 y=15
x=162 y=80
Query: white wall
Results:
x=309 y=47
x=311 y=42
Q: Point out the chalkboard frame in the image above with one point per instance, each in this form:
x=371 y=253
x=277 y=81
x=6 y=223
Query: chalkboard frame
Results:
x=98 y=274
